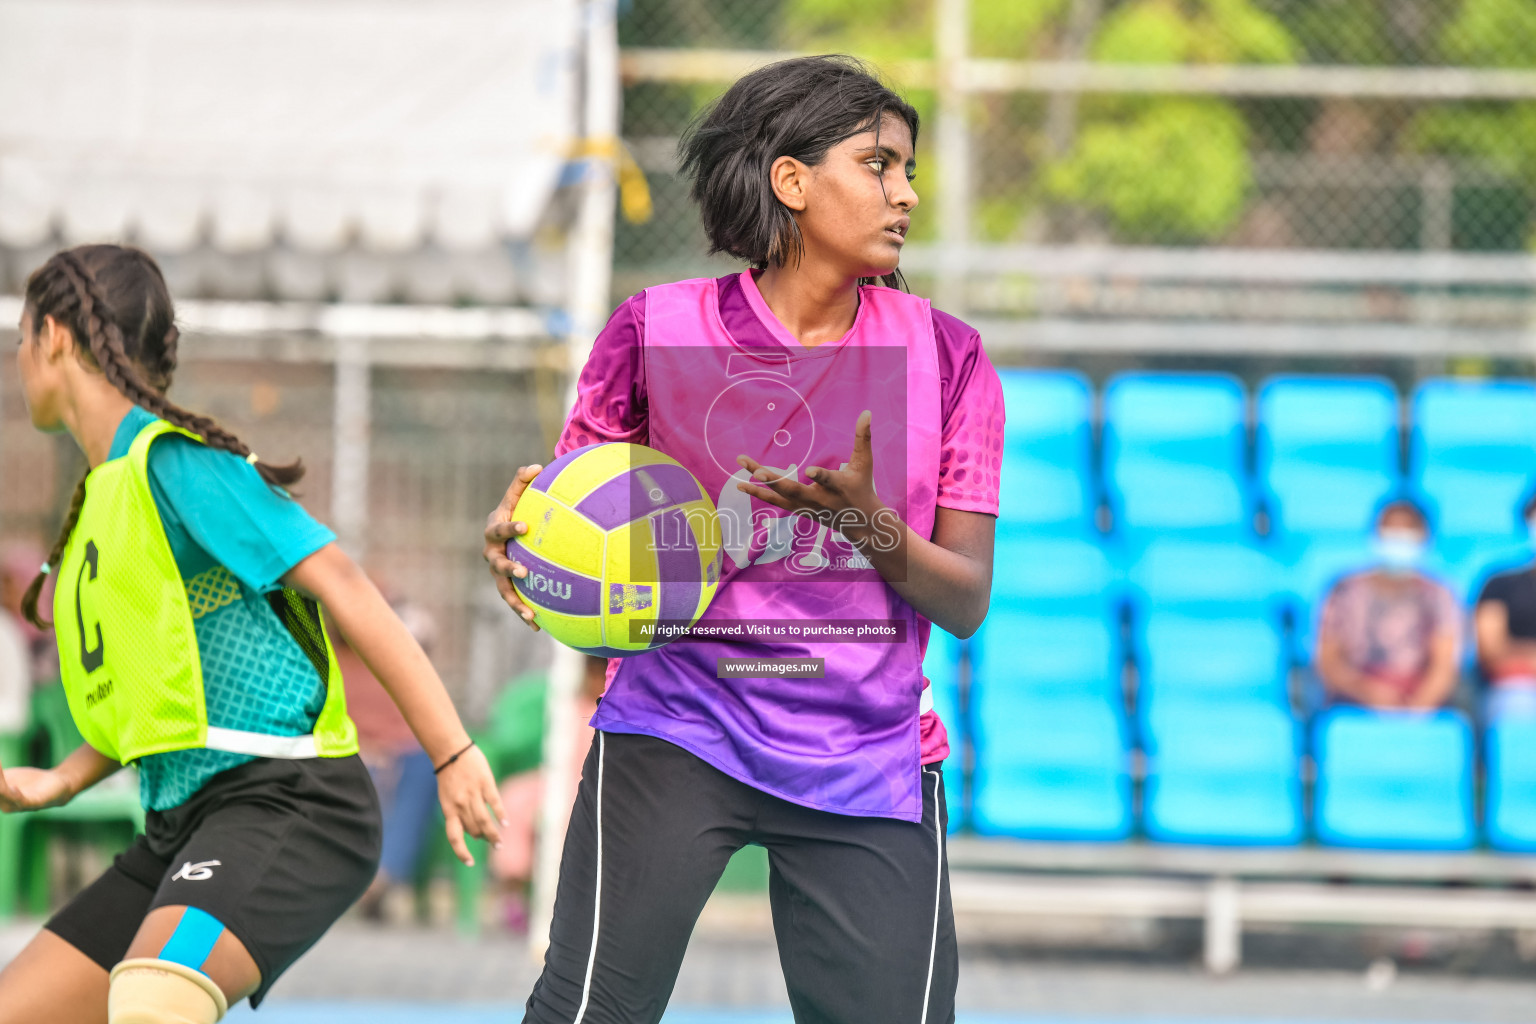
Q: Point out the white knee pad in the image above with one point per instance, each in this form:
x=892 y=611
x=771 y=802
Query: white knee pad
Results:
x=149 y=991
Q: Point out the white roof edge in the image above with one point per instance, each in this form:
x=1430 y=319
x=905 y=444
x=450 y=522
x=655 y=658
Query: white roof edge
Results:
x=332 y=320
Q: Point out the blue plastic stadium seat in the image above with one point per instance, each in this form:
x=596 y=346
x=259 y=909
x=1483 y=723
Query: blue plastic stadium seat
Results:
x=1049 y=768
x=1209 y=658
x=1052 y=569
x=1039 y=652
x=1394 y=780
x=1221 y=575
x=1327 y=452
x=1473 y=454
x=1223 y=773
x=1512 y=784
x=1173 y=453
x=1047 y=452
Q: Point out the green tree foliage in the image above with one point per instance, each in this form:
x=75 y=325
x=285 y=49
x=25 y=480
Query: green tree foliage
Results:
x=1487 y=33
x=1176 y=169
x=1170 y=168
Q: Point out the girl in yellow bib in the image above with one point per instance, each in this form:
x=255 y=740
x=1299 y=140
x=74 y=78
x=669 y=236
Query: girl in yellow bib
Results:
x=188 y=589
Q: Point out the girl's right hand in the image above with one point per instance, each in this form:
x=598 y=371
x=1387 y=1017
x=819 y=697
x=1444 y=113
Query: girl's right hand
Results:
x=499 y=529
x=471 y=802
x=32 y=789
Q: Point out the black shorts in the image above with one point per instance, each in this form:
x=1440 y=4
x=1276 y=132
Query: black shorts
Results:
x=861 y=907
x=276 y=851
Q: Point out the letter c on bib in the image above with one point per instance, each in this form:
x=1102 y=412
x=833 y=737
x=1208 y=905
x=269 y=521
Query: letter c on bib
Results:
x=91 y=658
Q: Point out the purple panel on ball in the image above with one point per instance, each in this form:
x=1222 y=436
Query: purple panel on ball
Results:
x=677 y=565
x=555 y=587
x=637 y=493
x=547 y=475
x=612 y=652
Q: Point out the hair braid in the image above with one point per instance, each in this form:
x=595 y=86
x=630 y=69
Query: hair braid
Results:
x=105 y=341
x=30 y=599
x=140 y=367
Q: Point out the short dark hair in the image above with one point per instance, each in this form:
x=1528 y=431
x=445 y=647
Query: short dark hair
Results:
x=801 y=108
x=1403 y=504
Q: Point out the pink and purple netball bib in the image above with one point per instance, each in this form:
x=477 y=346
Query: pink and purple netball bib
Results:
x=845 y=740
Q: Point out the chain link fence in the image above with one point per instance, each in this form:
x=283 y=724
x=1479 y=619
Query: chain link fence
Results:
x=1272 y=130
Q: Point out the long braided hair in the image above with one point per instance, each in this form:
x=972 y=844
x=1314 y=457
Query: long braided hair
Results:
x=113 y=299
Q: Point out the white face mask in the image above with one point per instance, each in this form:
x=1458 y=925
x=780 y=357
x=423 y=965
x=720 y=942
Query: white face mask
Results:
x=1400 y=550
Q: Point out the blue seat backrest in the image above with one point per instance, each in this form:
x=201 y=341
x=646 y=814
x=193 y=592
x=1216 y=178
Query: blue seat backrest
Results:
x=1023 y=652
x=1328 y=451
x=1058 y=570
x=1215 y=659
x=1185 y=572
x=1173 y=452
x=1473 y=454
x=1047 y=474
x=1198 y=735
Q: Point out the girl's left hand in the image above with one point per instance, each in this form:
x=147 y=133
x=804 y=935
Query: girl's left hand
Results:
x=843 y=499
x=32 y=789
x=471 y=802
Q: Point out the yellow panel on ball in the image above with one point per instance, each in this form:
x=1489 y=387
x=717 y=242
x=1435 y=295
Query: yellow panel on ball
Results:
x=573 y=630
x=558 y=534
x=598 y=466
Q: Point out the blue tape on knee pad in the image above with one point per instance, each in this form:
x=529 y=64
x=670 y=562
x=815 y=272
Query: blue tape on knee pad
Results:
x=193 y=939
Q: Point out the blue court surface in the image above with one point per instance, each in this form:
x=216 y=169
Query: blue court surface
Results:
x=462 y=1013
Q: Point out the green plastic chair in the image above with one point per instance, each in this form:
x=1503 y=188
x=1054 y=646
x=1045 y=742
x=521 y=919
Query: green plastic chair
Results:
x=513 y=738
x=108 y=814
x=13 y=754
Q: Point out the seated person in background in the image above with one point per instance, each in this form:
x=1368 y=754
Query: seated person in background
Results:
x=1504 y=621
x=1390 y=636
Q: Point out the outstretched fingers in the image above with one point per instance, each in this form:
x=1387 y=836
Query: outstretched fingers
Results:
x=455 y=830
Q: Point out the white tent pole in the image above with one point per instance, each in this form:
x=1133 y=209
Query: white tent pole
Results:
x=952 y=44
x=590 y=270
x=351 y=444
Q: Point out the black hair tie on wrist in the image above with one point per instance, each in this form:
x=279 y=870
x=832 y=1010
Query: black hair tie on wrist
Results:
x=439 y=769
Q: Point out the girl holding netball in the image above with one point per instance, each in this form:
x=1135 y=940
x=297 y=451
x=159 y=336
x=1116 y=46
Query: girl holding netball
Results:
x=853 y=435
x=187 y=607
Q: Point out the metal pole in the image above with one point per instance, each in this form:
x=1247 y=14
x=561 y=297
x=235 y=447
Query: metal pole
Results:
x=952 y=43
x=1061 y=114
x=1223 y=926
x=350 y=444
x=590 y=267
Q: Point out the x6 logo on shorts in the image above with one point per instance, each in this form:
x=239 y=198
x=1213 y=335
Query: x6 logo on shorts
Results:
x=199 y=872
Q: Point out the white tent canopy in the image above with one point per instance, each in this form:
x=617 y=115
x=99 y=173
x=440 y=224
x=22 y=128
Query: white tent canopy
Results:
x=385 y=125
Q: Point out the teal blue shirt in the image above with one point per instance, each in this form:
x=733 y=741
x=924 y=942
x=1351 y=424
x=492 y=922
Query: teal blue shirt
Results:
x=233 y=538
